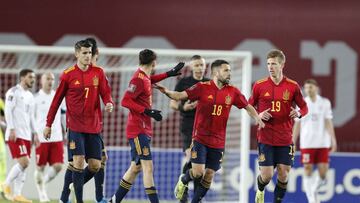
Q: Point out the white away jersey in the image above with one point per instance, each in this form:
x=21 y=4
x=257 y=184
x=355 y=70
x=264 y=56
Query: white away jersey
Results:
x=313 y=133
x=19 y=112
x=42 y=105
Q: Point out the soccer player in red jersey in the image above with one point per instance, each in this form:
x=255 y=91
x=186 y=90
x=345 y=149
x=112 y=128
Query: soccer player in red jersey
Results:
x=82 y=85
x=275 y=97
x=137 y=99
x=215 y=99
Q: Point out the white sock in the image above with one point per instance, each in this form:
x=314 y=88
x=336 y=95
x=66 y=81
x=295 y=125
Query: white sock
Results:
x=19 y=183
x=308 y=182
x=14 y=173
x=51 y=173
x=38 y=175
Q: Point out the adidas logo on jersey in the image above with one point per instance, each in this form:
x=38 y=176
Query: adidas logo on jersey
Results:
x=77 y=82
x=210 y=97
x=267 y=94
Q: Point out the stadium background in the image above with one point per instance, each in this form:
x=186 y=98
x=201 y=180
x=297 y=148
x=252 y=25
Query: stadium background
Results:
x=319 y=38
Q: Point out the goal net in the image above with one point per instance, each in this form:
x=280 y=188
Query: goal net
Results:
x=119 y=65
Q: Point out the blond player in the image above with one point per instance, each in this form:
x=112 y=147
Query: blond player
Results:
x=317 y=138
x=19 y=116
x=50 y=151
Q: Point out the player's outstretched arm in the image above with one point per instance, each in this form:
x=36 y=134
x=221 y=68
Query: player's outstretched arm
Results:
x=252 y=112
x=172 y=94
x=171 y=73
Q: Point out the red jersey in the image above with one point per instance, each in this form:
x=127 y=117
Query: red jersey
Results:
x=81 y=90
x=137 y=98
x=212 y=111
x=279 y=98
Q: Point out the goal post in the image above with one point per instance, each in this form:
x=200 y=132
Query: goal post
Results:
x=119 y=65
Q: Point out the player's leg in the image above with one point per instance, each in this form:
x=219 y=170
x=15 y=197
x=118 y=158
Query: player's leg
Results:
x=41 y=161
x=307 y=159
x=198 y=160
x=186 y=163
x=77 y=148
x=143 y=149
x=67 y=177
x=93 y=151
x=214 y=158
x=284 y=159
x=20 y=179
x=266 y=167
x=321 y=159
x=100 y=176
x=130 y=174
x=55 y=160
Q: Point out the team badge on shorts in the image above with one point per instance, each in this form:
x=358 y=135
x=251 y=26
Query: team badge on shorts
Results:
x=193 y=154
x=261 y=157
x=145 y=151
x=72 y=145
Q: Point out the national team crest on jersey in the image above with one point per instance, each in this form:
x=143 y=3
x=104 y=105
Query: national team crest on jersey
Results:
x=95 y=81
x=72 y=145
x=286 y=95
x=261 y=157
x=145 y=151
x=228 y=100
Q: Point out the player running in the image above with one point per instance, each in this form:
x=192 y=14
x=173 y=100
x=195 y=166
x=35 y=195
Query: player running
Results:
x=19 y=116
x=82 y=85
x=215 y=99
x=275 y=97
x=137 y=99
x=52 y=150
x=317 y=137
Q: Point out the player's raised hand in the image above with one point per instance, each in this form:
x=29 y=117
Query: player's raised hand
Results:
x=294 y=113
x=155 y=114
x=160 y=87
x=109 y=107
x=176 y=70
x=265 y=115
x=47 y=133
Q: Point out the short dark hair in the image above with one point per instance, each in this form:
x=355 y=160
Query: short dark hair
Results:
x=146 y=57
x=277 y=53
x=196 y=57
x=94 y=47
x=82 y=43
x=311 y=81
x=24 y=72
x=217 y=63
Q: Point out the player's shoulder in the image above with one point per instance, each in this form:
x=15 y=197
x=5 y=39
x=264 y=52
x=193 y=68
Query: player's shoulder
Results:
x=13 y=90
x=290 y=81
x=98 y=68
x=261 y=81
x=69 y=70
x=325 y=100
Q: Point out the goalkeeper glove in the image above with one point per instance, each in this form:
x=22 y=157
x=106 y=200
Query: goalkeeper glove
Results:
x=155 y=114
x=175 y=71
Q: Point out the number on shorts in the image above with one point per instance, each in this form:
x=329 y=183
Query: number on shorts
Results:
x=22 y=149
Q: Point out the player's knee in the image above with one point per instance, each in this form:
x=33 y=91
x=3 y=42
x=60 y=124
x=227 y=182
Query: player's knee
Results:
x=283 y=175
x=209 y=175
x=198 y=173
x=57 y=167
x=308 y=169
x=24 y=163
x=135 y=169
x=94 y=166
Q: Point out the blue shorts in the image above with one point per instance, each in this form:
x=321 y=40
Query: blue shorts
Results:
x=87 y=144
x=273 y=155
x=140 y=148
x=211 y=157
